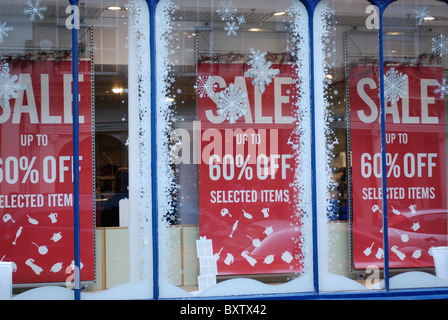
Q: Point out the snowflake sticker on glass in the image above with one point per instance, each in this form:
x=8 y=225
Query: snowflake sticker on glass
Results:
x=204 y=86
x=3 y=64
x=231 y=28
x=232 y=103
x=395 y=85
x=226 y=10
x=421 y=14
x=241 y=19
x=441 y=88
x=4 y=29
x=261 y=70
x=34 y=10
x=8 y=86
x=440 y=45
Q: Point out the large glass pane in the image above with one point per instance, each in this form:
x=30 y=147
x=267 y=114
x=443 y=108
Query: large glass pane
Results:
x=416 y=62
x=234 y=148
x=348 y=146
x=122 y=149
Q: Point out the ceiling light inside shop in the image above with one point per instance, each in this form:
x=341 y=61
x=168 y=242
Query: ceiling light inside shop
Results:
x=281 y=13
x=429 y=18
x=117 y=90
x=394 y=33
x=255 y=29
x=114 y=8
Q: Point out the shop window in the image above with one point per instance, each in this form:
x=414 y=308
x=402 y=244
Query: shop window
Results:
x=36 y=130
x=121 y=59
x=344 y=48
x=36 y=180
x=257 y=159
x=234 y=148
x=413 y=74
x=415 y=58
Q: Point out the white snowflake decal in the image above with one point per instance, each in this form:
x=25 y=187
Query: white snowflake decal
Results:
x=442 y=88
x=204 y=85
x=420 y=14
x=395 y=85
x=226 y=10
x=241 y=19
x=35 y=10
x=261 y=70
x=232 y=103
x=8 y=86
x=3 y=64
x=4 y=29
x=440 y=45
x=231 y=28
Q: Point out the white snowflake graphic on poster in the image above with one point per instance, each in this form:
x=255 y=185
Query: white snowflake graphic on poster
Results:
x=204 y=86
x=440 y=45
x=261 y=70
x=441 y=88
x=395 y=85
x=232 y=103
x=34 y=10
x=226 y=10
x=231 y=28
x=4 y=29
x=8 y=86
x=420 y=14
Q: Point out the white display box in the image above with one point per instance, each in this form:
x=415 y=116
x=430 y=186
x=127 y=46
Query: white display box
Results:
x=5 y=280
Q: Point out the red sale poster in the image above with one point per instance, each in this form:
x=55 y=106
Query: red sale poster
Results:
x=246 y=169
x=415 y=166
x=36 y=180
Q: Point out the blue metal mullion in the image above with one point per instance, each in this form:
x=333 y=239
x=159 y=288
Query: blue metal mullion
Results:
x=152 y=4
x=383 y=151
x=310 y=6
x=313 y=154
x=76 y=213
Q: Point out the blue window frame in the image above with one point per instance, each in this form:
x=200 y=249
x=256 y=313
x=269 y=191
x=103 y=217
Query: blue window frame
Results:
x=76 y=213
